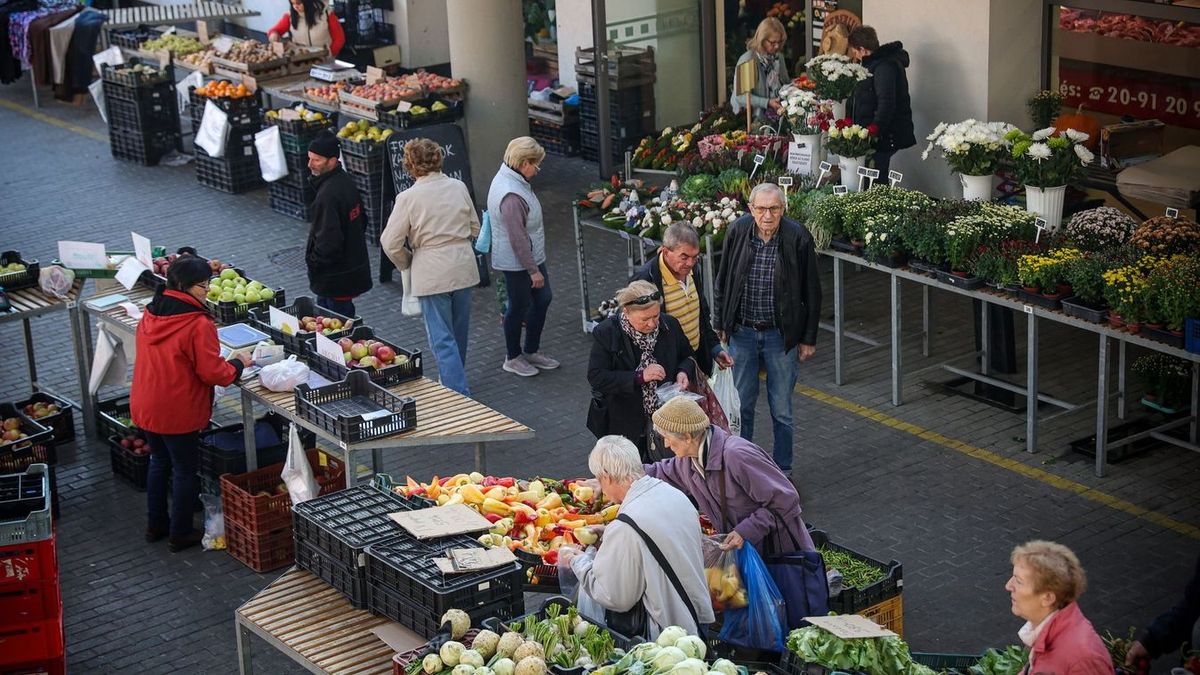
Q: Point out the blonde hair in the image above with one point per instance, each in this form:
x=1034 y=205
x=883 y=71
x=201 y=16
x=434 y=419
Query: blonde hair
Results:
x=1055 y=569
x=422 y=157
x=635 y=290
x=766 y=28
x=523 y=149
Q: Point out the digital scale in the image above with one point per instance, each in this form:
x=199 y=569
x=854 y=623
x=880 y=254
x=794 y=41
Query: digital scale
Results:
x=335 y=72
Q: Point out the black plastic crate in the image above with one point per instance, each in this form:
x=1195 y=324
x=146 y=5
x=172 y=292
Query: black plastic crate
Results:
x=16 y=457
x=35 y=433
x=364 y=149
x=18 y=279
x=363 y=166
x=624 y=129
x=223 y=450
x=239 y=121
x=25 y=505
x=342 y=524
x=125 y=76
x=301 y=306
x=146 y=147
x=234 y=176
x=425 y=622
x=945 y=662
x=61 y=423
x=302 y=212
x=110 y=415
x=1080 y=309
x=132 y=38
x=127 y=464
x=370 y=185
x=301 y=128
x=853 y=600
x=250 y=104
x=347 y=580
x=1040 y=300
x=384 y=377
x=350 y=409
x=227 y=313
x=154 y=110
x=965 y=283
x=303 y=194
x=406 y=120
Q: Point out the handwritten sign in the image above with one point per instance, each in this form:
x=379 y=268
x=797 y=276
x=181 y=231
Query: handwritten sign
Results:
x=404 y=106
x=222 y=44
x=850 y=626
x=288 y=114
x=375 y=75
x=202 y=33
x=329 y=349
x=277 y=48
x=441 y=521
x=250 y=82
x=784 y=181
x=129 y=272
x=800 y=158
x=1172 y=212
x=82 y=255
x=455 y=160
x=142 y=250
x=474 y=559
x=111 y=56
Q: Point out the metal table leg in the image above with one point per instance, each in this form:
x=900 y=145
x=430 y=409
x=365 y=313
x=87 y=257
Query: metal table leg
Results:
x=248 y=430
x=1031 y=384
x=897 y=376
x=86 y=403
x=1102 y=408
x=481 y=458
x=29 y=356
x=984 y=339
x=839 y=321
x=377 y=460
x=581 y=259
x=925 y=322
x=1121 y=378
x=245 y=657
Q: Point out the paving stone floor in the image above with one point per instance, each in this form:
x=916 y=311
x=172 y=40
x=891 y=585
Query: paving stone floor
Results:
x=941 y=483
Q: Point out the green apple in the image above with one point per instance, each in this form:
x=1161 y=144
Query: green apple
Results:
x=228 y=283
x=252 y=295
x=227 y=296
x=239 y=298
x=228 y=273
x=254 y=286
x=266 y=294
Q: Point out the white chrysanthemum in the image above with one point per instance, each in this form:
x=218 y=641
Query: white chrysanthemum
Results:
x=1039 y=151
x=1043 y=134
x=1085 y=156
x=1077 y=136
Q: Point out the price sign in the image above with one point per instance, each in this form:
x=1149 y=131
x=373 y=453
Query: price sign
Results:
x=1042 y=226
x=375 y=75
x=825 y=167
x=288 y=114
x=1172 y=212
x=784 y=182
x=277 y=48
x=894 y=178
x=202 y=32
x=758 y=161
x=800 y=158
x=404 y=106
x=223 y=44
x=840 y=190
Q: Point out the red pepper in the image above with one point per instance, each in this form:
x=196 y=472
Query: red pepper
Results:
x=616 y=181
x=492 y=517
x=550 y=557
x=506 y=482
x=520 y=518
x=489 y=482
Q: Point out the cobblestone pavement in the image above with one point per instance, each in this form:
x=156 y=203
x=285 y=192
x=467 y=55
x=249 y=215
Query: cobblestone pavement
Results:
x=940 y=483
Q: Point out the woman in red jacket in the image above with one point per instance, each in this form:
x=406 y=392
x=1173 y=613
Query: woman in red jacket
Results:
x=311 y=24
x=178 y=364
x=1047 y=579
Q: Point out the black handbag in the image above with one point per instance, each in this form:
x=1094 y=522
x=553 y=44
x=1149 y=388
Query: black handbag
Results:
x=597 y=415
x=633 y=622
x=485 y=277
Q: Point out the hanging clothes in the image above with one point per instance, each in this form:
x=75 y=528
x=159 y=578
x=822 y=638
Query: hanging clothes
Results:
x=60 y=41
x=83 y=45
x=38 y=38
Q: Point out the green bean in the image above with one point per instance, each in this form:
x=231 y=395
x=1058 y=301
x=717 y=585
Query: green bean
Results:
x=855 y=573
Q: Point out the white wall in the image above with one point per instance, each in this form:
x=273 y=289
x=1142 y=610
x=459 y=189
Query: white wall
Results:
x=421 y=32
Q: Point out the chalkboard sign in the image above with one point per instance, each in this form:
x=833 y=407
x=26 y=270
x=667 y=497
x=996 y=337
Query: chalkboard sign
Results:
x=457 y=163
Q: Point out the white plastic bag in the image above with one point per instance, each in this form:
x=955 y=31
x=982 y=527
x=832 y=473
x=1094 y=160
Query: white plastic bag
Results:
x=667 y=392
x=214 y=523
x=410 y=305
x=285 y=375
x=297 y=473
x=214 y=129
x=196 y=79
x=271 y=161
x=722 y=385
x=55 y=281
x=96 y=89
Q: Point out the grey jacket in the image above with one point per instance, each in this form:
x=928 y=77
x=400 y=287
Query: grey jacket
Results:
x=760 y=94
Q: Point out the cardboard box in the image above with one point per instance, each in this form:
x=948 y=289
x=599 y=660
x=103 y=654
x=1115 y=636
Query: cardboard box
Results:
x=1131 y=143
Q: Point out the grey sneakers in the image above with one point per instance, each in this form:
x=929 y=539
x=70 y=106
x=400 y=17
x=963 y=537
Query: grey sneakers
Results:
x=540 y=361
x=527 y=365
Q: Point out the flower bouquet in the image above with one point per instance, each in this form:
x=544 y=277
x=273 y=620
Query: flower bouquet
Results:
x=1046 y=163
x=835 y=76
x=851 y=143
x=973 y=149
x=806 y=113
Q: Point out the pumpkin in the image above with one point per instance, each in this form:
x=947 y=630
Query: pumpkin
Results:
x=1080 y=122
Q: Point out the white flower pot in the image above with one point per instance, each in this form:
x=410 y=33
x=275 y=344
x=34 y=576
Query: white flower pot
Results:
x=849 y=168
x=1047 y=203
x=976 y=188
x=812 y=143
x=839 y=110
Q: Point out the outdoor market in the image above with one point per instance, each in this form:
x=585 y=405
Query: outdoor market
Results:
x=430 y=338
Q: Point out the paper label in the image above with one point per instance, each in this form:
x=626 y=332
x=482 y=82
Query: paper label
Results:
x=404 y=106
x=441 y=521
x=850 y=626
x=111 y=56
x=83 y=255
x=784 y=181
x=194 y=79
x=375 y=75
x=202 y=32
x=329 y=349
x=223 y=44
x=281 y=319
x=142 y=250
x=129 y=271
x=839 y=189
x=474 y=559
x=1172 y=212
x=277 y=48
x=164 y=57
x=250 y=82
x=799 y=158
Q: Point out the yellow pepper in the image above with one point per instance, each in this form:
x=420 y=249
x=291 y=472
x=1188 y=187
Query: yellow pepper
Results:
x=610 y=513
x=471 y=494
x=495 y=506
x=496 y=493
x=550 y=501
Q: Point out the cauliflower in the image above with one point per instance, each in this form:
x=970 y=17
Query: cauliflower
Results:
x=485 y=643
x=530 y=665
x=528 y=649
x=667 y=658
x=451 y=652
x=459 y=622
x=431 y=664
x=506 y=666
x=693 y=646
x=670 y=635
x=508 y=644
x=470 y=657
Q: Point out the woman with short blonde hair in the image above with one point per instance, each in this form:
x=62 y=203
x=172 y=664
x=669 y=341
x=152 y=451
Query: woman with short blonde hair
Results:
x=521 y=150
x=1047 y=580
x=764 y=48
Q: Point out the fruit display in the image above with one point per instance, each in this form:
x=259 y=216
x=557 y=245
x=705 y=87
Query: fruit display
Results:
x=40 y=409
x=305 y=114
x=229 y=286
x=323 y=324
x=199 y=60
x=363 y=353
x=223 y=89
x=420 y=110
x=12 y=267
x=250 y=51
x=536 y=516
x=364 y=131
x=327 y=93
x=388 y=90
x=10 y=430
x=163 y=263
x=135 y=443
x=177 y=45
x=436 y=83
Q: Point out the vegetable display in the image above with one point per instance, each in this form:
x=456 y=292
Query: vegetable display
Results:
x=1008 y=661
x=567 y=640
x=855 y=573
x=878 y=656
x=675 y=652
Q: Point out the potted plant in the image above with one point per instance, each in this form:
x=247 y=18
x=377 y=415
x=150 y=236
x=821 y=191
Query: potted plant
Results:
x=1044 y=107
x=1100 y=229
x=1164 y=236
x=808 y=116
x=1085 y=275
x=835 y=77
x=1167 y=379
x=973 y=149
x=852 y=143
x=1172 y=297
x=1045 y=164
x=881 y=244
x=1124 y=291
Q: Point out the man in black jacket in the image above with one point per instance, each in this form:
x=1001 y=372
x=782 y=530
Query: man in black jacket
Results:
x=338 y=267
x=768 y=305
x=882 y=99
x=1172 y=629
x=675 y=271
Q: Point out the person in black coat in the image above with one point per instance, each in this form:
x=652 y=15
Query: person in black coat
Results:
x=633 y=352
x=336 y=256
x=1172 y=628
x=882 y=99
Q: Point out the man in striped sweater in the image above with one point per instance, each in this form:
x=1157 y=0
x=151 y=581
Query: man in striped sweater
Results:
x=676 y=272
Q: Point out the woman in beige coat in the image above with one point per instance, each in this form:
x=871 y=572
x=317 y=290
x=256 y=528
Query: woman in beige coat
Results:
x=430 y=229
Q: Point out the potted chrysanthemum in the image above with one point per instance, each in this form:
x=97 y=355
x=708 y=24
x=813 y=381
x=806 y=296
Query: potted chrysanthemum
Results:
x=1047 y=161
x=974 y=150
x=852 y=143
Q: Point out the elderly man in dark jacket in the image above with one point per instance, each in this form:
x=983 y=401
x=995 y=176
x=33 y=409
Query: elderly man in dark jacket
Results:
x=336 y=256
x=882 y=99
x=768 y=306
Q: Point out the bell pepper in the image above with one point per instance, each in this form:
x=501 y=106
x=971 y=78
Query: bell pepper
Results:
x=543 y=518
x=506 y=482
x=455 y=498
x=571 y=524
x=411 y=487
x=583 y=493
x=550 y=501
x=443 y=499
x=522 y=511
x=492 y=517
x=489 y=481
x=550 y=557
x=433 y=489
x=502 y=526
x=496 y=493
x=529 y=497
x=609 y=513
x=475 y=477
x=471 y=494
x=593 y=519
x=495 y=506
x=585 y=536
x=537 y=488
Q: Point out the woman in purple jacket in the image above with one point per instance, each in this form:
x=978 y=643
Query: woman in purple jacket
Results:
x=733 y=481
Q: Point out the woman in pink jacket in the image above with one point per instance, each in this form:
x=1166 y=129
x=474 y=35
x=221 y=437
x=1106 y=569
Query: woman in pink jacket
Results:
x=1047 y=579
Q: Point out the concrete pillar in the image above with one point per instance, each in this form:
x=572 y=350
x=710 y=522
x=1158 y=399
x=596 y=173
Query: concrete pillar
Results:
x=421 y=32
x=487 y=50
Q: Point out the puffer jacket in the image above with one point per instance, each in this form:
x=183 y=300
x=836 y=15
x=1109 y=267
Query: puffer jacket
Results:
x=883 y=99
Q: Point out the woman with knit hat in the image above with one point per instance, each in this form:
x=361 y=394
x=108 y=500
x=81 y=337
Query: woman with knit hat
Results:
x=733 y=481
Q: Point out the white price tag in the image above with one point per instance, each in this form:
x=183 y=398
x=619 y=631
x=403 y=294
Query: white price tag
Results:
x=799 y=158
x=825 y=167
x=784 y=181
x=111 y=56
x=223 y=44
x=759 y=159
x=1028 y=309
x=894 y=178
x=1042 y=226
x=281 y=320
x=82 y=255
x=839 y=189
x=1172 y=212
x=329 y=349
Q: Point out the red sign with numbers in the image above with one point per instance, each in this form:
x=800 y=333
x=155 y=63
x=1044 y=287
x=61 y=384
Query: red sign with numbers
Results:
x=1124 y=91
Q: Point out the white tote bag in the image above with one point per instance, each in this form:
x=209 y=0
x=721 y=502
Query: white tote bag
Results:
x=271 y=161
x=297 y=473
x=410 y=305
x=214 y=129
x=722 y=385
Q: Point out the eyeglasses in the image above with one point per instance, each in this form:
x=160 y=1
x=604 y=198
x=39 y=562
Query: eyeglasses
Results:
x=203 y=284
x=776 y=210
x=653 y=297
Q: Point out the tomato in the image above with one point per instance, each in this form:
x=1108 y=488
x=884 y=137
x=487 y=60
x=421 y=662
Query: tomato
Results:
x=550 y=557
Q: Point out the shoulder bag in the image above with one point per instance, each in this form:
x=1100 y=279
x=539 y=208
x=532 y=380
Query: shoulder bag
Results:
x=634 y=622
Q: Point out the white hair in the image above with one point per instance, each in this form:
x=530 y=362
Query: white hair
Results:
x=616 y=458
x=767 y=187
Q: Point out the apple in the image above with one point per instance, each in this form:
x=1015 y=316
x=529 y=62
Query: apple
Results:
x=335 y=324
x=345 y=343
x=385 y=354
x=228 y=274
x=347 y=357
x=11 y=435
x=401 y=359
x=266 y=294
x=369 y=362
x=11 y=423
x=359 y=350
x=353 y=363
x=327 y=331
x=374 y=348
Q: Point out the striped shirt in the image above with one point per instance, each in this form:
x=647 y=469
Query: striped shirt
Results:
x=758 y=295
x=682 y=301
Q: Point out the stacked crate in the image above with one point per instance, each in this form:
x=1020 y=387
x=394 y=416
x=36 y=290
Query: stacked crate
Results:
x=293 y=194
x=223 y=450
x=142 y=113
x=631 y=108
x=555 y=126
x=31 y=617
x=237 y=171
x=366 y=162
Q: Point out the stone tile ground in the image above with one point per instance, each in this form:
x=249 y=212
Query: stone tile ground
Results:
x=949 y=496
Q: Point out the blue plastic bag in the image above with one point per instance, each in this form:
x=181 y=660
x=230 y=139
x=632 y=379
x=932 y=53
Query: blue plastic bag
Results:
x=761 y=624
x=483 y=243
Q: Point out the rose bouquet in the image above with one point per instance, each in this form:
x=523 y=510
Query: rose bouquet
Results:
x=972 y=148
x=804 y=110
x=1046 y=160
x=848 y=139
x=835 y=76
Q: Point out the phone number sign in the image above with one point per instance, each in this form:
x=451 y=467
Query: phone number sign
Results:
x=1125 y=91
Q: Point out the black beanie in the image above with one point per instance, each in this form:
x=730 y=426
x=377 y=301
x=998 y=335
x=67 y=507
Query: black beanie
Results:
x=325 y=144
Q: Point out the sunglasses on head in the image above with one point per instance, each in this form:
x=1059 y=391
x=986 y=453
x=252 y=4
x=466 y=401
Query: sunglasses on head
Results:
x=653 y=297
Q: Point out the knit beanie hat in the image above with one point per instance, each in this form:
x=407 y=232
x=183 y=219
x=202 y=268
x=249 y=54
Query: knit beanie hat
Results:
x=681 y=415
x=325 y=144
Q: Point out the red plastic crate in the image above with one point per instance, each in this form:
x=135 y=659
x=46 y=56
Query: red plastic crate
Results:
x=260 y=552
x=32 y=642
x=245 y=506
x=28 y=563
x=24 y=604
x=55 y=666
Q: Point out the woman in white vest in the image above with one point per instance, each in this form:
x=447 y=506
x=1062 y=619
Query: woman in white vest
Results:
x=311 y=24
x=519 y=251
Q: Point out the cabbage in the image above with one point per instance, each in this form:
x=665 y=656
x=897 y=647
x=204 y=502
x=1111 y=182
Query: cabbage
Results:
x=670 y=635
x=693 y=646
x=724 y=666
x=470 y=657
x=504 y=667
x=667 y=658
x=690 y=667
x=699 y=187
x=451 y=652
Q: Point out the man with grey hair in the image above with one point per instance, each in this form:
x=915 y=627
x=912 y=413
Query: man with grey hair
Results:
x=651 y=554
x=768 y=305
x=676 y=272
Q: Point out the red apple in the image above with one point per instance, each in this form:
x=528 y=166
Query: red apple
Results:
x=11 y=435
x=359 y=350
x=11 y=423
x=385 y=354
x=374 y=348
x=345 y=343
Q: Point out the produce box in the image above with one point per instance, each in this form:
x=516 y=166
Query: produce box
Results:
x=364 y=166
x=405 y=585
x=16 y=457
x=301 y=308
x=232 y=104
x=356 y=409
x=157 y=277
x=258 y=501
x=261 y=552
x=946 y=662
x=112 y=416
x=17 y=273
x=137 y=73
x=342 y=524
x=231 y=311
x=498 y=626
x=50 y=411
x=302 y=195
x=22 y=604
x=20 y=433
x=400 y=365
x=233 y=176
x=402 y=660
x=115 y=258
x=34 y=642
x=130 y=460
x=25 y=506
x=132 y=38
x=430 y=110
x=853 y=599
x=146 y=147
x=307 y=124
x=223 y=450
x=262 y=71
x=889 y=614
x=302 y=58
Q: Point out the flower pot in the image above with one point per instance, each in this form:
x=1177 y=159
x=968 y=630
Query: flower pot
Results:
x=1032 y=290
x=849 y=168
x=976 y=188
x=1065 y=289
x=839 y=110
x=812 y=148
x=1115 y=320
x=1133 y=327
x=1047 y=203
x=1052 y=296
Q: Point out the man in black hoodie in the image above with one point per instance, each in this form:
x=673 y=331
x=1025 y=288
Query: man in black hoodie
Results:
x=338 y=267
x=882 y=99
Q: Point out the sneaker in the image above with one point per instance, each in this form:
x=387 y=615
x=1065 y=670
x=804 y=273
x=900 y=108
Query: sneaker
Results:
x=519 y=366
x=177 y=544
x=541 y=361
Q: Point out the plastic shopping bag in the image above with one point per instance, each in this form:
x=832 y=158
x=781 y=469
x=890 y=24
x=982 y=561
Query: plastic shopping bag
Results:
x=214 y=523
x=56 y=281
x=285 y=375
x=214 y=129
x=761 y=623
x=409 y=305
x=297 y=473
x=725 y=587
x=708 y=401
x=568 y=583
x=271 y=162
x=669 y=391
x=483 y=243
x=722 y=385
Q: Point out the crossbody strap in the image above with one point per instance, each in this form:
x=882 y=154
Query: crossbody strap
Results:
x=666 y=567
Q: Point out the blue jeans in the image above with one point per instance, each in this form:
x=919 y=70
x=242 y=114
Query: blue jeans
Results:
x=447 y=323
x=526 y=305
x=752 y=349
x=174 y=458
x=343 y=307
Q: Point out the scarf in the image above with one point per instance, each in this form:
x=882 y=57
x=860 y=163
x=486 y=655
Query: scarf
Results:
x=645 y=344
x=767 y=63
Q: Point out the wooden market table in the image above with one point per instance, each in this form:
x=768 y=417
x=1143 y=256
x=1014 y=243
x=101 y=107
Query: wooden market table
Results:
x=444 y=417
x=313 y=624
